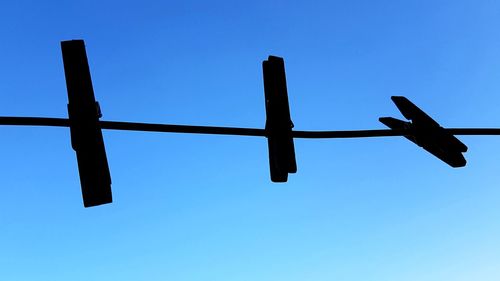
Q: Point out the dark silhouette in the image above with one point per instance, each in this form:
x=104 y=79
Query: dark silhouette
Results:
x=87 y=140
x=278 y=122
x=427 y=133
x=86 y=135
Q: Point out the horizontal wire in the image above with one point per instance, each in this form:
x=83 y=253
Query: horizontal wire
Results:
x=166 y=128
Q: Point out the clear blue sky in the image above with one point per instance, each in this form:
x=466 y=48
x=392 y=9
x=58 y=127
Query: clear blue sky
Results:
x=359 y=209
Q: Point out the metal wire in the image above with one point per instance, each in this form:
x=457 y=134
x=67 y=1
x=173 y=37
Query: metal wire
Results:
x=166 y=128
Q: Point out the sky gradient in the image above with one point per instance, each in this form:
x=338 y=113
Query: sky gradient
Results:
x=200 y=207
